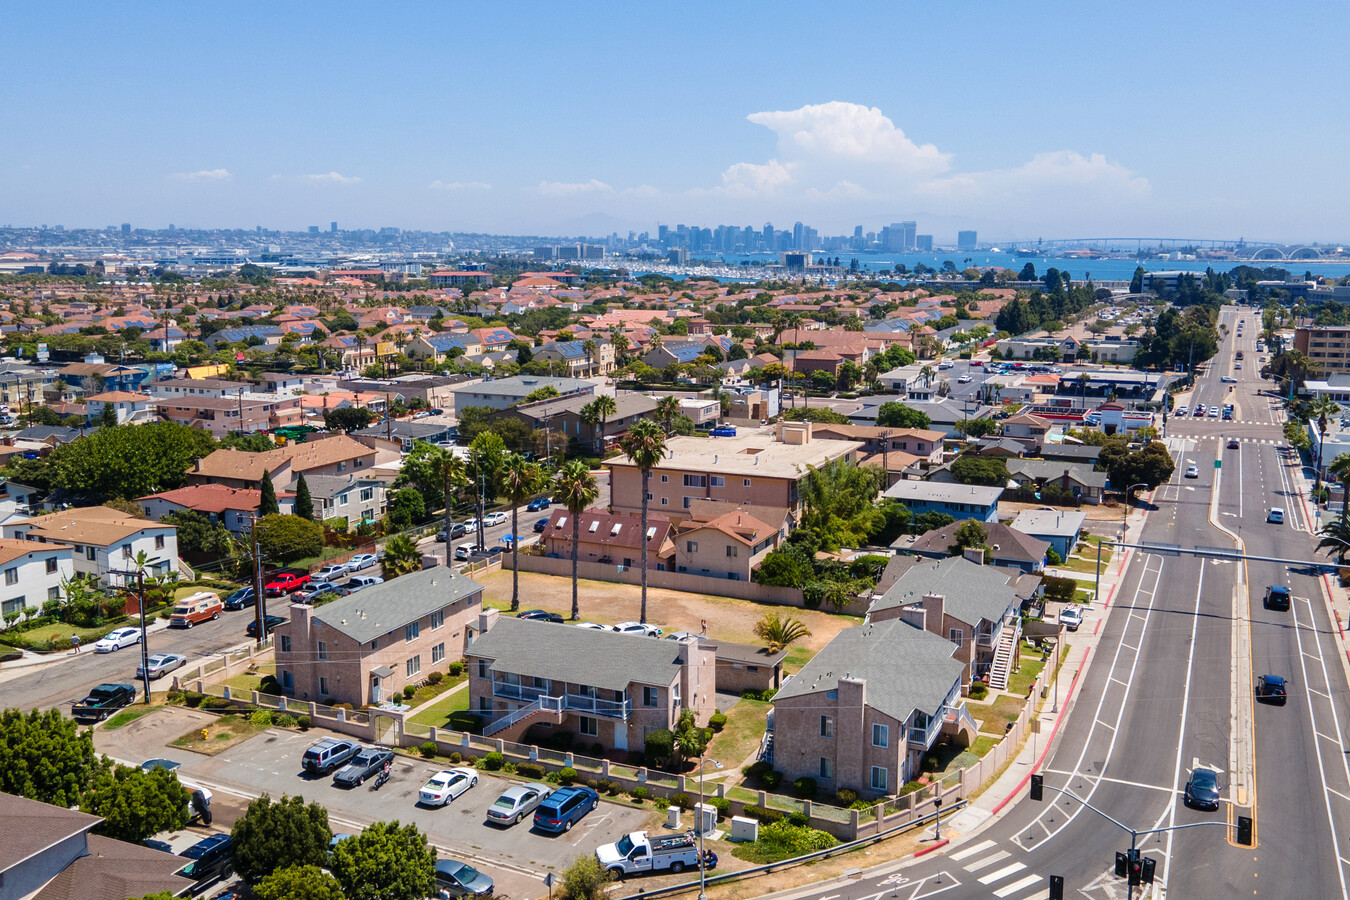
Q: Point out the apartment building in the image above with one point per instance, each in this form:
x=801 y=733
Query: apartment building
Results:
x=764 y=469
x=730 y=546
x=126 y=406
x=609 y=538
x=223 y=415
x=105 y=542
x=347 y=497
x=365 y=648
x=530 y=678
x=333 y=455
x=571 y=358
x=564 y=414
x=504 y=392
x=32 y=575
x=1328 y=346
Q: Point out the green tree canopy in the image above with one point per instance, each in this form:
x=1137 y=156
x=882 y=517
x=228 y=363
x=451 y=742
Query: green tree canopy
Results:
x=267 y=504
x=284 y=539
x=299 y=883
x=407 y=508
x=401 y=556
x=275 y=835
x=387 y=861
x=821 y=414
x=129 y=461
x=784 y=568
x=134 y=804
x=45 y=757
x=970 y=535
x=838 y=498
x=249 y=443
x=987 y=470
x=1151 y=466
x=584 y=879
x=198 y=534
x=348 y=418
x=894 y=414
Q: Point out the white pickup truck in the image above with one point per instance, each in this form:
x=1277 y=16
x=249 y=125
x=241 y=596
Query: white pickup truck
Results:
x=637 y=854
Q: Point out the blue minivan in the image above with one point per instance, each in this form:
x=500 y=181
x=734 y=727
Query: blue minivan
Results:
x=563 y=808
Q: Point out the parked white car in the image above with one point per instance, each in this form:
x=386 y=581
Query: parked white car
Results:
x=117 y=639
x=638 y=628
x=446 y=785
x=494 y=518
x=331 y=573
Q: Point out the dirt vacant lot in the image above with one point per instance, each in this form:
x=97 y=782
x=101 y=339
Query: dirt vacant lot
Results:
x=729 y=619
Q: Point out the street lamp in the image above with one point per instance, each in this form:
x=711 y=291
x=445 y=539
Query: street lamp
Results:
x=698 y=825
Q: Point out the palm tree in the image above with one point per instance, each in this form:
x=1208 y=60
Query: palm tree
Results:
x=1322 y=407
x=1336 y=539
x=576 y=491
x=401 y=556
x=1340 y=467
x=645 y=446
x=778 y=632
x=520 y=478
x=590 y=414
x=455 y=476
x=926 y=373
x=604 y=408
x=620 y=342
x=667 y=408
x=590 y=348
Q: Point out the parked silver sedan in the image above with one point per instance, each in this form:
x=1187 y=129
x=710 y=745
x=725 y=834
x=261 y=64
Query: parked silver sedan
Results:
x=162 y=664
x=516 y=802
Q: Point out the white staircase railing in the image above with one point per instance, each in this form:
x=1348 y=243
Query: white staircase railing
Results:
x=546 y=704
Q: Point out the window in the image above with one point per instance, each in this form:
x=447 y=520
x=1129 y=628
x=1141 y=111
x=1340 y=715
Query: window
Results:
x=826 y=769
x=12 y=607
x=665 y=479
x=686 y=502
x=665 y=501
x=285 y=643
x=413 y=665
x=733 y=550
x=323 y=686
x=745 y=482
x=410 y=632
x=879 y=777
x=342 y=500
x=438 y=653
x=689 y=547
x=126 y=551
x=53 y=593
x=649 y=696
x=827 y=726
x=12 y=576
x=588 y=726
x=482 y=668
x=287 y=681
x=881 y=735
x=51 y=565
x=956 y=636
x=90 y=553
x=437 y=619
x=367 y=494
x=717 y=481
x=159 y=542
x=650 y=495
x=696 y=481
x=323 y=649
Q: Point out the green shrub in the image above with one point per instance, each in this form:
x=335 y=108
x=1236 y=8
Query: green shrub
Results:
x=749 y=695
x=408 y=691
x=493 y=761
x=640 y=793
x=721 y=804
x=781 y=840
x=660 y=747
x=1062 y=589
x=567 y=775
x=305 y=723
x=756 y=769
x=930 y=762
x=456 y=757
x=508 y=768
x=613 y=788
x=427 y=749
x=978 y=690
x=261 y=717
x=283 y=720
x=764 y=814
x=681 y=800
x=530 y=770
x=804 y=787
x=456 y=669
x=845 y=797
x=216 y=703
x=772 y=779
x=435 y=678
x=797 y=819
x=717 y=721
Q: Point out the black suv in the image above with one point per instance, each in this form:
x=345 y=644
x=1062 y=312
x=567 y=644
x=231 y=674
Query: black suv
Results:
x=329 y=754
x=1277 y=597
x=364 y=765
x=1271 y=688
x=211 y=857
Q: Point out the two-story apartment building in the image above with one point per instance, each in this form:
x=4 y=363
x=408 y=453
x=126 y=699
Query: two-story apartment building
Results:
x=864 y=711
x=730 y=546
x=364 y=648
x=758 y=469
x=504 y=392
x=126 y=406
x=571 y=358
x=609 y=538
x=105 y=542
x=437 y=347
x=960 y=501
x=347 y=497
x=332 y=455
x=921 y=442
x=222 y=415
x=564 y=414
x=231 y=507
x=32 y=574
x=606 y=688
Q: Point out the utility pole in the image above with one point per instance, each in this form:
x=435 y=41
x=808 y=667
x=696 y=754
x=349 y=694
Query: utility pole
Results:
x=259 y=600
x=145 y=648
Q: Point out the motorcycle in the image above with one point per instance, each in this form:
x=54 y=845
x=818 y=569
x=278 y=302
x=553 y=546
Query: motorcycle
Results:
x=381 y=778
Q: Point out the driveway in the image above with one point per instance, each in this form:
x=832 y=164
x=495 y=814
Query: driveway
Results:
x=517 y=858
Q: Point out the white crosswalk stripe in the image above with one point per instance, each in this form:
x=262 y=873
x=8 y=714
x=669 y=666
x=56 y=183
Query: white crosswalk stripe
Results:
x=1005 y=877
x=1002 y=873
x=988 y=861
x=1016 y=886
x=971 y=851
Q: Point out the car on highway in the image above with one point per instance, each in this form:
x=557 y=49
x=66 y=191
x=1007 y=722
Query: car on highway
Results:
x=240 y=598
x=516 y=802
x=1271 y=689
x=563 y=808
x=495 y=518
x=457 y=879
x=1232 y=443
x=1071 y=617
x=363 y=765
x=161 y=664
x=361 y=561
x=1202 y=789
x=1236 y=365
x=361 y=582
x=964 y=379
x=1275 y=516
x=446 y=785
x=1192 y=471
x=639 y=628
x=540 y=615
x=285 y=582
x=331 y=572
x=269 y=625
x=541 y=525
x=117 y=639
x=538 y=503
x=1277 y=597
x=1181 y=410
x=1229 y=379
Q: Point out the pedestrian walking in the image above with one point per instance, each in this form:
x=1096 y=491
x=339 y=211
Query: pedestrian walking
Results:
x=703 y=628
x=75 y=642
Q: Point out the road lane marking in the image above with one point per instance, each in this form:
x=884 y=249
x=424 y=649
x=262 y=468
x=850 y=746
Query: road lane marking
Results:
x=1002 y=873
x=1018 y=885
x=987 y=861
x=963 y=854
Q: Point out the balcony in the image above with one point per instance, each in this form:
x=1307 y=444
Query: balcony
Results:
x=614 y=709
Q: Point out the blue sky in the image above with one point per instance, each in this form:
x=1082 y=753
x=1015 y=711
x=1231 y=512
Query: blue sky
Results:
x=1035 y=119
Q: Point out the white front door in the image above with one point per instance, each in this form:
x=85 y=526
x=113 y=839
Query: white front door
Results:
x=375 y=689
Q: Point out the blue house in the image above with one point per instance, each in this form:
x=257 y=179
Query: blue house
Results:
x=960 y=501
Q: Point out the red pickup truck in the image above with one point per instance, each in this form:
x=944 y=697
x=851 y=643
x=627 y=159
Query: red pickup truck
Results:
x=285 y=582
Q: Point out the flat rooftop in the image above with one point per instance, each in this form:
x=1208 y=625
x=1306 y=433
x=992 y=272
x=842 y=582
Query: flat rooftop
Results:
x=750 y=454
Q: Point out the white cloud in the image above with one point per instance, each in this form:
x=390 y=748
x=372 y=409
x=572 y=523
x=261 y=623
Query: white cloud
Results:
x=751 y=179
x=439 y=185
x=572 y=189
x=203 y=175
x=850 y=132
x=331 y=178
x=1057 y=170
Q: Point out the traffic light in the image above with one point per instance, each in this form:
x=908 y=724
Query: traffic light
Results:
x=1037 y=788
x=1122 y=864
x=1056 y=887
x=1245 y=831
x=1149 y=863
x=1136 y=871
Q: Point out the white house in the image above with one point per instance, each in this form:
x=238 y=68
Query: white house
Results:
x=105 y=541
x=32 y=575
x=128 y=407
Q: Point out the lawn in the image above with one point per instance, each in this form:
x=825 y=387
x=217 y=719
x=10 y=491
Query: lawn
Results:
x=983 y=744
x=996 y=717
x=1020 y=682
x=1078 y=564
x=249 y=681
x=220 y=735
x=127 y=716
x=445 y=713
x=428 y=692
x=38 y=638
x=740 y=737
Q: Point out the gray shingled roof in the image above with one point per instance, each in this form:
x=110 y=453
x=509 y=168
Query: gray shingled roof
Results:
x=970 y=592
x=906 y=668
x=603 y=659
x=1049 y=469
x=377 y=610
x=1009 y=542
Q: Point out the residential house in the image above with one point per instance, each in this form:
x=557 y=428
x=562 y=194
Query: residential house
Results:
x=33 y=574
x=606 y=688
x=50 y=853
x=21 y=383
x=1028 y=429
x=1077 y=479
x=408 y=432
x=564 y=414
x=572 y=360
x=974 y=606
x=1006 y=546
x=265 y=336
x=1077 y=453
x=605 y=537
x=442 y=345
x=752 y=404
x=921 y=442
x=347 y=497
x=747 y=667
x=94 y=376
x=730 y=546
x=232 y=507
x=493 y=339
x=942 y=414
x=105 y=541
x=702 y=411
x=505 y=392
x=225 y=415
x=333 y=455
x=16 y=500
x=365 y=648
x=960 y=501
x=673 y=352
x=1060 y=527
x=757 y=468
x=865 y=710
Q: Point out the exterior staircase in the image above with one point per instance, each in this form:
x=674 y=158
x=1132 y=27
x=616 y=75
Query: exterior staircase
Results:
x=515 y=723
x=1003 y=658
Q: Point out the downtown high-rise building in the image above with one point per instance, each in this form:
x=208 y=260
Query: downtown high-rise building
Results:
x=966 y=240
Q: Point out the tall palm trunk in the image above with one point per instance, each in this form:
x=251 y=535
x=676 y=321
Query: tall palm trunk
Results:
x=515 y=557
x=448 y=505
x=576 y=536
x=646 y=479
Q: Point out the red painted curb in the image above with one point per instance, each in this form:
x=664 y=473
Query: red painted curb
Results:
x=926 y=850
x=1098 y=628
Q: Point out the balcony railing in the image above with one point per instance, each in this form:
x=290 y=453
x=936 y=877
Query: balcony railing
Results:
x=614 y=709
x=517 y=692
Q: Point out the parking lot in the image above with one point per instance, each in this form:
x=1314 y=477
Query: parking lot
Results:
x=517 y=857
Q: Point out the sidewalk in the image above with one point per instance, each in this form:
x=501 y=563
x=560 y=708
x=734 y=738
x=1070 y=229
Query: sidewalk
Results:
x=32 y=658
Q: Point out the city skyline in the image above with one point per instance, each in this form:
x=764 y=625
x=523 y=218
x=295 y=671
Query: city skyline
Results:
x=1070 y=122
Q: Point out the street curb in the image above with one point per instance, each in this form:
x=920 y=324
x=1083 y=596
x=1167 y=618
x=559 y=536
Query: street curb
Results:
x=927 y=850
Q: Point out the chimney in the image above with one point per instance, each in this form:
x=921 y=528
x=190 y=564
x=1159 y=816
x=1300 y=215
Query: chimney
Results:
x=486 y=619
x=933 y=607
x=975 y=555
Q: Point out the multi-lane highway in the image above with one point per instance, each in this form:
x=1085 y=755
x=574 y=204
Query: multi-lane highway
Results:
x=1170 y=687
